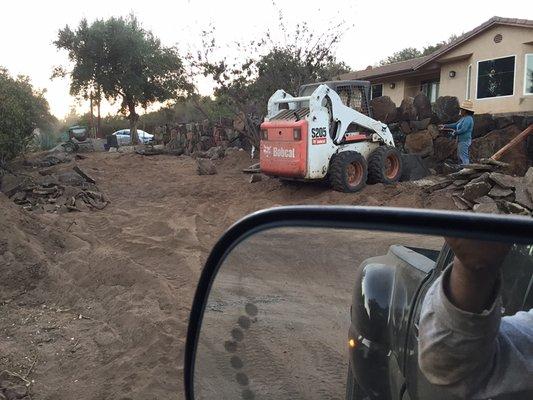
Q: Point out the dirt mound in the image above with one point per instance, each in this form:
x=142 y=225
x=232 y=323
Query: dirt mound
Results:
x=26 y=249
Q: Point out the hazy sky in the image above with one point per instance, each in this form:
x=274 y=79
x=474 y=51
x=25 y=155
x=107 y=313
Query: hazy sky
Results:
x=27 y=29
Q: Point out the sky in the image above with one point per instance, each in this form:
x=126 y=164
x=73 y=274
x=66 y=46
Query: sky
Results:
x=28 y=28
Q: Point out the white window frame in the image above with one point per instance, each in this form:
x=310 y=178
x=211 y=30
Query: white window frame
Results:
x=375 y=84
x=468 y=82
x=514 y=78
x=525 y=74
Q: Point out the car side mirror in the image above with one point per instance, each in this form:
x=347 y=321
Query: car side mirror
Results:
x=293 y=302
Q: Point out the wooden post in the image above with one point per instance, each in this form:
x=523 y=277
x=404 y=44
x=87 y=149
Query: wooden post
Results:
x=521 y=137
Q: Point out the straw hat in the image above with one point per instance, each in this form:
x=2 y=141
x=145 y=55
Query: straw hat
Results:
x=467 y=105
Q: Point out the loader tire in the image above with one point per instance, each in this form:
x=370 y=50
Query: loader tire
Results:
x=385 y=165
x=348 y=172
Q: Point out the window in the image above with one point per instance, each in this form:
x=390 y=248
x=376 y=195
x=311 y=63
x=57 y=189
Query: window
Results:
x=430 y=89
x=495 y=78
x=469 y=82
x=528 y=81
x=376 y=91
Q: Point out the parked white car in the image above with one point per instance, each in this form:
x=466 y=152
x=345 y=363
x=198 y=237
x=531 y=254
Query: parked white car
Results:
x=124 y=138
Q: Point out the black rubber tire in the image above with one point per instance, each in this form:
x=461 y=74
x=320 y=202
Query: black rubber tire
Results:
x=338 y=171
x=353 y=390
x=377 y=164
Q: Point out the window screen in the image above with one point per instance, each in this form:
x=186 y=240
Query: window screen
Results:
x=495 y=77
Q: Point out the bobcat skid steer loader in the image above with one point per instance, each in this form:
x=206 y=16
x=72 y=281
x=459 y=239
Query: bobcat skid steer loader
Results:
x=327 y=133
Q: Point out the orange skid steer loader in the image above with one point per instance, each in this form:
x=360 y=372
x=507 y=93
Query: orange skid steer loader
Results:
x=327 y=133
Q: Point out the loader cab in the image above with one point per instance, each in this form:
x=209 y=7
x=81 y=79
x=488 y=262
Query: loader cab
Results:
x=354 y=94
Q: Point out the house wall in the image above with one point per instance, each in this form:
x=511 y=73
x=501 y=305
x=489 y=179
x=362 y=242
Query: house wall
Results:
x=398 y=93
x=482 y=48
x=404 y=86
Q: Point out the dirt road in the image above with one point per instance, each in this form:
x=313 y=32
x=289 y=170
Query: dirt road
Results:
x=94 y=305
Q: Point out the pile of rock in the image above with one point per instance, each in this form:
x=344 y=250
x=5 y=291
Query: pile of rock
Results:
x=482 y=187
x=48 y=160
x=198 y=137
x=414 y=127
x=67 y=191
x=414 y=123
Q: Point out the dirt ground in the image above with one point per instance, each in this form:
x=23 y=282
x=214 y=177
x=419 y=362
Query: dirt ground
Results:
x=94 y=305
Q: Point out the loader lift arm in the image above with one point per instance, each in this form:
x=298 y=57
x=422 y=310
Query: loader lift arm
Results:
x=324 y=98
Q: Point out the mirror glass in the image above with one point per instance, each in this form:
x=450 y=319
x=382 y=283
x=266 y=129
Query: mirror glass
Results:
x=279 y=322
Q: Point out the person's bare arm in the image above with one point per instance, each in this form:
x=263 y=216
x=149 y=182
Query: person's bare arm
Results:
x=474 y=274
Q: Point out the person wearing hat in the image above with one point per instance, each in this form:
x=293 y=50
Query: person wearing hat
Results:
x=462 y=129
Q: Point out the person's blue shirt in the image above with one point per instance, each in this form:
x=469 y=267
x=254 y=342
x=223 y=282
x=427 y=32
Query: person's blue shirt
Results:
x=463 y=128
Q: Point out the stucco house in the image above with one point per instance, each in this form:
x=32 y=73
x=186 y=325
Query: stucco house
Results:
x=492 y=65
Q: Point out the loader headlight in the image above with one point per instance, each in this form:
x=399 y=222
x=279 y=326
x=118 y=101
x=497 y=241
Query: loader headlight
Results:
x=264 y=134
x=297 y=134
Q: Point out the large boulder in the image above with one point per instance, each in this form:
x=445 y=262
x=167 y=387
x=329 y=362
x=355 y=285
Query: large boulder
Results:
x=422 y=106
x=419 y=125
x=522 y=121
x=473 y=191
x=420 y=143
x=483 y=124
x=528 y=179
x=444 y=148
x=205 y=166
x=503 y=121
x=486 y=146
x=405 y=127
x=384 y=109
x=407 y=109
x=447 y=109
x=522 y=195
x=434 y=131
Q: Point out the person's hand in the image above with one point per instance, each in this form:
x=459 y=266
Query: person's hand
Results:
x=477 y=254
x=476 y=266
x=441 y=127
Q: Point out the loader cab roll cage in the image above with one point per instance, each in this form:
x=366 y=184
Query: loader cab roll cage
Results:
x=354 y=94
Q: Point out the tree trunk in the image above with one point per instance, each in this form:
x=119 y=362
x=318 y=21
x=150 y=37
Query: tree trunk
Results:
x=91 y=116
x=99 y=100
x=134 y=118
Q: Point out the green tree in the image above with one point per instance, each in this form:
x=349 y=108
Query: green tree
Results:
x=245 y=84
x=410 y=52
x=22 y=110
x=403 y=55
x=120 y=60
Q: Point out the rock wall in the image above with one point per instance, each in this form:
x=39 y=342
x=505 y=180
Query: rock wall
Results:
x=197 y=137
x=414 y=127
